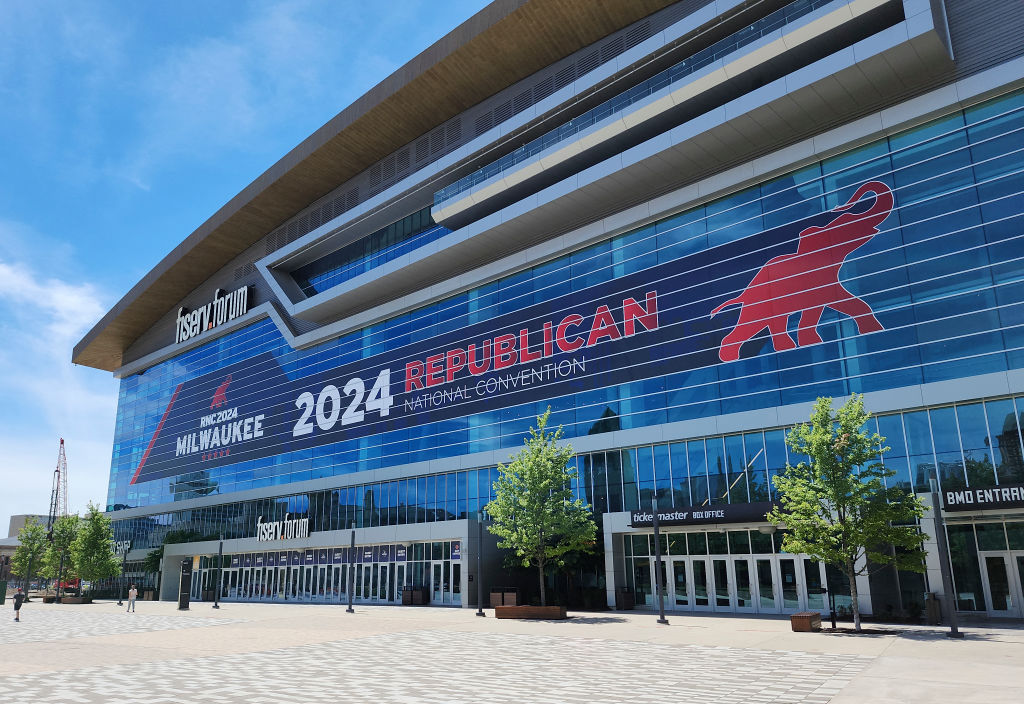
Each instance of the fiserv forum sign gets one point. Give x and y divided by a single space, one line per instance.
223 307
680 315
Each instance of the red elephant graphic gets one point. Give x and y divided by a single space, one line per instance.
220 396
807 281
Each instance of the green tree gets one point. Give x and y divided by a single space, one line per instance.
836 508
29 553
93 550
63 534
533 511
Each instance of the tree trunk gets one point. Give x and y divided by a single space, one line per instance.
28 576
540 573
852 576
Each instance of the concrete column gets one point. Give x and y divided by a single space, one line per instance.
933 567
863 590
609 562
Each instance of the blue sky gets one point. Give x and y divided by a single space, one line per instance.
123 126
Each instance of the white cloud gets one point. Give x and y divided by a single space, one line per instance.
43 397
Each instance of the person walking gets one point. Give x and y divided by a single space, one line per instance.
132 593
19 599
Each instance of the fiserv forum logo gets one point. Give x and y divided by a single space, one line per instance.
807 281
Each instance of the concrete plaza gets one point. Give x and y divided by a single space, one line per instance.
311 653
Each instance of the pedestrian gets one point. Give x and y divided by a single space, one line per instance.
19 599
132 593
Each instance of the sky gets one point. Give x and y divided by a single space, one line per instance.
123 127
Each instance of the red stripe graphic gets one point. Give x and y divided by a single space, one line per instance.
156 434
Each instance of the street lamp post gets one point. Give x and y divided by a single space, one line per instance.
351 568
949 596
220 564
124 565
479 567
657 563
60 576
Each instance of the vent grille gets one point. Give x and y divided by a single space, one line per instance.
564 77
639 33
612 49
483 123
244 270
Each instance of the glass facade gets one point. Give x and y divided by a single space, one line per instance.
398 238
735 468
609 108
943 276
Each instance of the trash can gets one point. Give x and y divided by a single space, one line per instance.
805 621
504 596
932 609
624 599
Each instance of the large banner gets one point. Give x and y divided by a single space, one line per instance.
672 317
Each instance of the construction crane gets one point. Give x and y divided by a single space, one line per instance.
58 506
59 494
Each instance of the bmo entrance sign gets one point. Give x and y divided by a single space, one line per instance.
1008 496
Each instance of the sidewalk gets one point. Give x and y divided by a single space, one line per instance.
912 664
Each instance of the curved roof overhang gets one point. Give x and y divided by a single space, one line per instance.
503 43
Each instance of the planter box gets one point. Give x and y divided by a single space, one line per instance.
805 621
540 612
76 600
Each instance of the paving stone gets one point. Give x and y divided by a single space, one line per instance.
426 666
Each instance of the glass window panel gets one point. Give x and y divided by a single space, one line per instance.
718 544
614 470
761 543
736 465
919 447
630 499
662 476
991 536
696 543
974 441
677 543
600 483
1015 536
680 474
739 542
697 462
718 483
775 455
947 448
1004 441
757 468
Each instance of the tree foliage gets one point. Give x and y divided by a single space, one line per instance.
64 532
28 555
93 549
533 511
836 507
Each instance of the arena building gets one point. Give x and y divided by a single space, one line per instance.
674 223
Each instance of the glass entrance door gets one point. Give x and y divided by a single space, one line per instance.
1001 575
701 593
436 583
399 581
680 586
767 597
382 582
790 587
743 586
